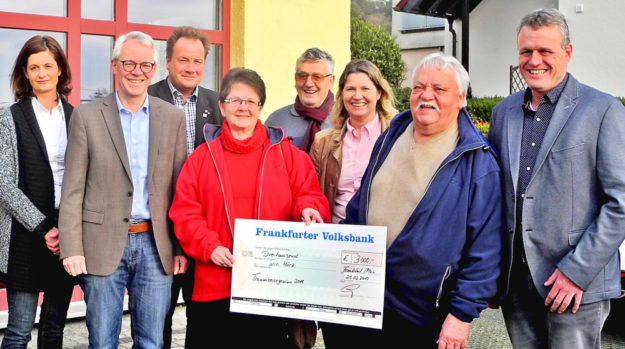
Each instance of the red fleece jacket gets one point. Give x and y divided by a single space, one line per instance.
203 206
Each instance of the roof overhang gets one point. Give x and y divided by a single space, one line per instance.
451 9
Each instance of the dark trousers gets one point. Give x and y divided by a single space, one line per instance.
531 325
182 282
22 311
397 332
214 326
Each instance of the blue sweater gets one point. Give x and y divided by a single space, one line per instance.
448 254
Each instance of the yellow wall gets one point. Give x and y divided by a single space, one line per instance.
269 35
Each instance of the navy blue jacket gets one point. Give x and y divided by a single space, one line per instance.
448 254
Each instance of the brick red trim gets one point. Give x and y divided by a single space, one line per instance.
74 26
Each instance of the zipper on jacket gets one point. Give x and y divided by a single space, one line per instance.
221 184
440 286
375 164
262 176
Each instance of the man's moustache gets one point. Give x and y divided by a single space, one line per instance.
425 105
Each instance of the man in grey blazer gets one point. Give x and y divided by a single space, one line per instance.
123 157
187 48
561 150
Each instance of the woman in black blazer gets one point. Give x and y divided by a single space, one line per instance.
33 137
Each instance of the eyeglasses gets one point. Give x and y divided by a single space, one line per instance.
316 78
250 103
130 66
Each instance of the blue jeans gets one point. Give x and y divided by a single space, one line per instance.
22 311
149 289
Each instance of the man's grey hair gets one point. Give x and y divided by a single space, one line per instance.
314 55
440 61
545 17
143 38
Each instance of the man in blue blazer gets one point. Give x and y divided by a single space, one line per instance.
560 145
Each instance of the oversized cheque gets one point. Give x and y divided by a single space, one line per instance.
324 272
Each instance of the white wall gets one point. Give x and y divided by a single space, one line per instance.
597 35
492 42
415 46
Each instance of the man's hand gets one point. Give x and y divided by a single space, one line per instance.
310 215
75 265
181 263
562 292
222 257
454 333
52 240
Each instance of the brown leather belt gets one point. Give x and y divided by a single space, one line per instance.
140 227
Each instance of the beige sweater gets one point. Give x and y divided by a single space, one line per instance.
401 181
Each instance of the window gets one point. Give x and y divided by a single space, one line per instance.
12 42
420 22
87 29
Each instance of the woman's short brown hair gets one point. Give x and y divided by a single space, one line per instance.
245 76
36 44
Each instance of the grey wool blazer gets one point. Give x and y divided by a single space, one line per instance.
574 207
98 190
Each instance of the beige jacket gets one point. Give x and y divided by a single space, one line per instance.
97 187
326 153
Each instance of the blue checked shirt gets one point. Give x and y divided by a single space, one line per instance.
189 109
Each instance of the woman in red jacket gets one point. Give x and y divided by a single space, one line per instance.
245 170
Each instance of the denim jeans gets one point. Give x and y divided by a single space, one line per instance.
531 325
22 311
149 288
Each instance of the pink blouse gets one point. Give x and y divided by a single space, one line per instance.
356 153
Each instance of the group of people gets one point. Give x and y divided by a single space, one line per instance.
530 219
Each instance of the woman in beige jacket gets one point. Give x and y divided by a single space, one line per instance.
363 109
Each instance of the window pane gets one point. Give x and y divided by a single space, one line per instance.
10 45
435 22
212 69
412 21
96 79
35 7
204 14
101 9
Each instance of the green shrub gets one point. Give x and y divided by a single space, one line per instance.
376 45
481 108
622 99
402 98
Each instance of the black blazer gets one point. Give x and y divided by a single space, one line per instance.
207 110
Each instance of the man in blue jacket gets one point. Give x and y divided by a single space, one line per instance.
561 148
434 182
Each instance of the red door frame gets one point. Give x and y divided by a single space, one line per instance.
74 26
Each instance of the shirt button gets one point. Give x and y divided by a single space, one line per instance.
537 119
533 144
522 195
529 168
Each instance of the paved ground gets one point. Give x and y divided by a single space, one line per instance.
487 332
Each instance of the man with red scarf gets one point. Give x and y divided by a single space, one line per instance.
314 78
